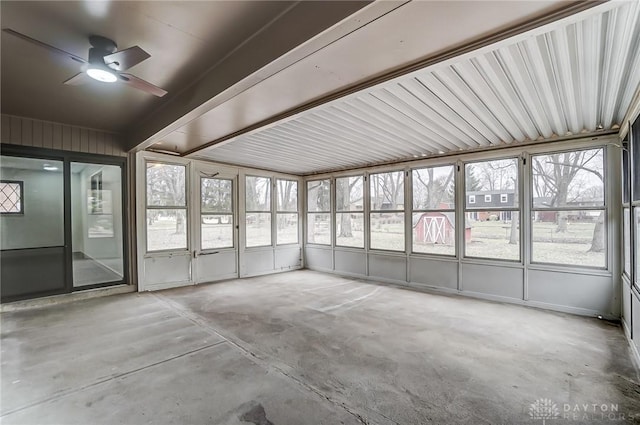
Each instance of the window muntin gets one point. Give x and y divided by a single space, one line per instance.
258 211
287 212
492 228
166 212
11 197
568 208
349 212
319 212
216 213
433 215
387 206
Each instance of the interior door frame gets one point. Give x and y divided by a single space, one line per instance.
67 157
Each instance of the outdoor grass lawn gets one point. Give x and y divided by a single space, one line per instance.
489 239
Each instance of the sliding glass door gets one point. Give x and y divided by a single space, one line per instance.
62 222
31 227
96 224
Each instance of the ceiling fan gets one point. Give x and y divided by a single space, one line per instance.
105 63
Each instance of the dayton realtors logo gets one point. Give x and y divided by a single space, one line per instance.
543 409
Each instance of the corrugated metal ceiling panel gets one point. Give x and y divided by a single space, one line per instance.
576 79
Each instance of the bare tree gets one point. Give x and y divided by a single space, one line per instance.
348 192
558 182
166 187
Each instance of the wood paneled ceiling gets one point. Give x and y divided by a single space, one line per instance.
187 40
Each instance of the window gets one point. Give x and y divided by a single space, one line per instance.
626 240
287 212
319 212
472 199
166 207
216 213
349 212
258 211
568 209
504 198
387 211
433 215
11 197
492 231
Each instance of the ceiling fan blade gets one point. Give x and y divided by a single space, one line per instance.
77 80
45 45
127 58
141 84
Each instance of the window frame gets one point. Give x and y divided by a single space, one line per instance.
232 214
337 211
604 207
329 212
372 211
504 198
278 212
269 211
456 173
465 209
490 197
472 199
20 184
148 207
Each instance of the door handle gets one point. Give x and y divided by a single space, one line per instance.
209 253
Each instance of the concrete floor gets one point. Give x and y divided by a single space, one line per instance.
309 348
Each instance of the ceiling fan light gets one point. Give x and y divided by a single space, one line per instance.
102 74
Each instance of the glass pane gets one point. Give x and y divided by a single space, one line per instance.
492 234
319 228
568 179
35 221
349 194
433 188
387 191
434 233
350 229
287 195
166 185
258 195
216 195
637 245
569 237
492 184
626 191
287 229
96 213
258 229
217 231
166 229
319 196
387 231
635 159
626 240
41 201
